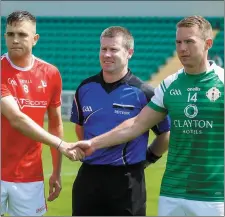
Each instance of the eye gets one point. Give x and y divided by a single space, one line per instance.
22 34
114 49
189 41
10 34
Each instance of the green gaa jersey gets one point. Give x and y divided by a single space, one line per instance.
195 163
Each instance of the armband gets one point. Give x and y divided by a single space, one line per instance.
150 158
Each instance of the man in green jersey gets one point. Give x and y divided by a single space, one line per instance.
193 97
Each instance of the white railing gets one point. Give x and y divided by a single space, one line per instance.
67 100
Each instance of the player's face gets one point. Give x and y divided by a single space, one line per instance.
20 38
113 54
191 47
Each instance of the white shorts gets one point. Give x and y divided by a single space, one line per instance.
23 199
169 206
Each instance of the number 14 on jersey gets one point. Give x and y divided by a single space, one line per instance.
192 97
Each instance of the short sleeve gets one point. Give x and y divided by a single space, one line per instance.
56 90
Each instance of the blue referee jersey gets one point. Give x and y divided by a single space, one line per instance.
99 107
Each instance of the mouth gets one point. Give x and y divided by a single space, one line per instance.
16 48
108 62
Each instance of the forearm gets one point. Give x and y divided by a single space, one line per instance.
160 144
129 129
124 132
56 155
29 128
79 132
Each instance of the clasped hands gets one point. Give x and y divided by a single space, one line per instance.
76 151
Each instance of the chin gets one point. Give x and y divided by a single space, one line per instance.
108 70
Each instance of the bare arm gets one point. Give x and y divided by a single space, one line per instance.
160 144
55 127
79 131
24 124
129 129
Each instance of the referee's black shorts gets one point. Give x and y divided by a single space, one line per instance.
103 190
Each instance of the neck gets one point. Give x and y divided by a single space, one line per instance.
22 62
198 69
113 77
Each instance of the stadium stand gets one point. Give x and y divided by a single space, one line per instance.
72 43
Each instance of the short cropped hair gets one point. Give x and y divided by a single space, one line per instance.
18 16
114 31
204 25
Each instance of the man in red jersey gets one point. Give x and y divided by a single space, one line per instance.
30 87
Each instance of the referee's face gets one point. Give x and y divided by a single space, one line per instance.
113 55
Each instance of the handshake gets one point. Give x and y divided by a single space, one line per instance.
76 151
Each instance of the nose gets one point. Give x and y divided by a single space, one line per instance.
15 39
183 47
107 53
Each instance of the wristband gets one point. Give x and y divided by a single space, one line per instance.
59 145
150 158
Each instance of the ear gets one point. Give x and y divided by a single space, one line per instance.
36 38
130 53
208 43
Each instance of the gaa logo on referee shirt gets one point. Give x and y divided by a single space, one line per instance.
87 109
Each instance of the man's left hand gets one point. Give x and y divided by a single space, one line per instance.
54 187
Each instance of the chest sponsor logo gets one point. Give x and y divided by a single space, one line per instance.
30 103
191 125
175 92
213 94
191 111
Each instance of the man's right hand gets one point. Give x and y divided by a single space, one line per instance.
71 151
85 146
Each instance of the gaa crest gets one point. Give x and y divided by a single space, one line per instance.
213 94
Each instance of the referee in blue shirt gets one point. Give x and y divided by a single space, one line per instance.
112 180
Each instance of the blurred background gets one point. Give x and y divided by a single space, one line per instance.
69 39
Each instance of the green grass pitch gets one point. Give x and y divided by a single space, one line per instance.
62 205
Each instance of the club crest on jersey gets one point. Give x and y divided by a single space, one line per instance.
42 86
213 94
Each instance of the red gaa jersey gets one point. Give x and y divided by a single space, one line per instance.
34 88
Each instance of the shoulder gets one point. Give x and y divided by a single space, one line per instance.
143 86
89 80
5 67
46 66
167 82
219 72
3 57
4 60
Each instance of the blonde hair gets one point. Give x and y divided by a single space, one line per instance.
204 25
114 31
